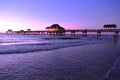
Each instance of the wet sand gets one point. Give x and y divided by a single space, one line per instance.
86 62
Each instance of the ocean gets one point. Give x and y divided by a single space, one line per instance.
32 43
50 57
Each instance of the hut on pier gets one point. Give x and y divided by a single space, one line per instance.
55 29
110 26
9 31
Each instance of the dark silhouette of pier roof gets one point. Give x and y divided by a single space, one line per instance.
109 26
56 26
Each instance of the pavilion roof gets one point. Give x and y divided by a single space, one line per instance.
55 26
110 26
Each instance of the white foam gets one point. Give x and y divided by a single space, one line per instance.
112 69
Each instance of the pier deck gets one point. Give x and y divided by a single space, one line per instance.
73 32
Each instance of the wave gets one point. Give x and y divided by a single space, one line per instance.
33 43
27 48
113 73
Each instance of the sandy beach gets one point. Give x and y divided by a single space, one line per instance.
59 39
86 62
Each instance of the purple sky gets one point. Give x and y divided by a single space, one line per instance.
71 14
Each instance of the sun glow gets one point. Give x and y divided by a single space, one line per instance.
5 26
17 24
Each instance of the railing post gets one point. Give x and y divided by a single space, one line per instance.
73 33
98 34
85 33
116 34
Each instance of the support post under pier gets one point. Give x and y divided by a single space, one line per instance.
98 34
116 34
73 33
84 33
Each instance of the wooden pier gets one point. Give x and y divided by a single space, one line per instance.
72 32
56 29
98 31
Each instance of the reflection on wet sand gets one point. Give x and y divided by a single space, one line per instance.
115 40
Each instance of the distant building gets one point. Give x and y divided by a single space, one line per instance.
28 29
21 30
55 27
9 31
110 26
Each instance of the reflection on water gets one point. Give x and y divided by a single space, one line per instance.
87 62
115 41
74 63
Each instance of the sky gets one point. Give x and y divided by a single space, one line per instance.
70 14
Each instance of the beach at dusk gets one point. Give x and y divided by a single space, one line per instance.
59 40
57 58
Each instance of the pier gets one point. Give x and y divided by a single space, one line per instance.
72 32
56 29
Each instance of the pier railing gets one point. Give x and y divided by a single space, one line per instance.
72 31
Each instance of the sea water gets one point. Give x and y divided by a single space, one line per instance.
19 60
11 43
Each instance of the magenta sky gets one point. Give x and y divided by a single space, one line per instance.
77 14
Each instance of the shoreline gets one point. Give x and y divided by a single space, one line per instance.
49 46
60 64
62 47
113 73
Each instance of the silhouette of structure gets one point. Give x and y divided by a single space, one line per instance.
28 29
56 29
110 26
10 31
